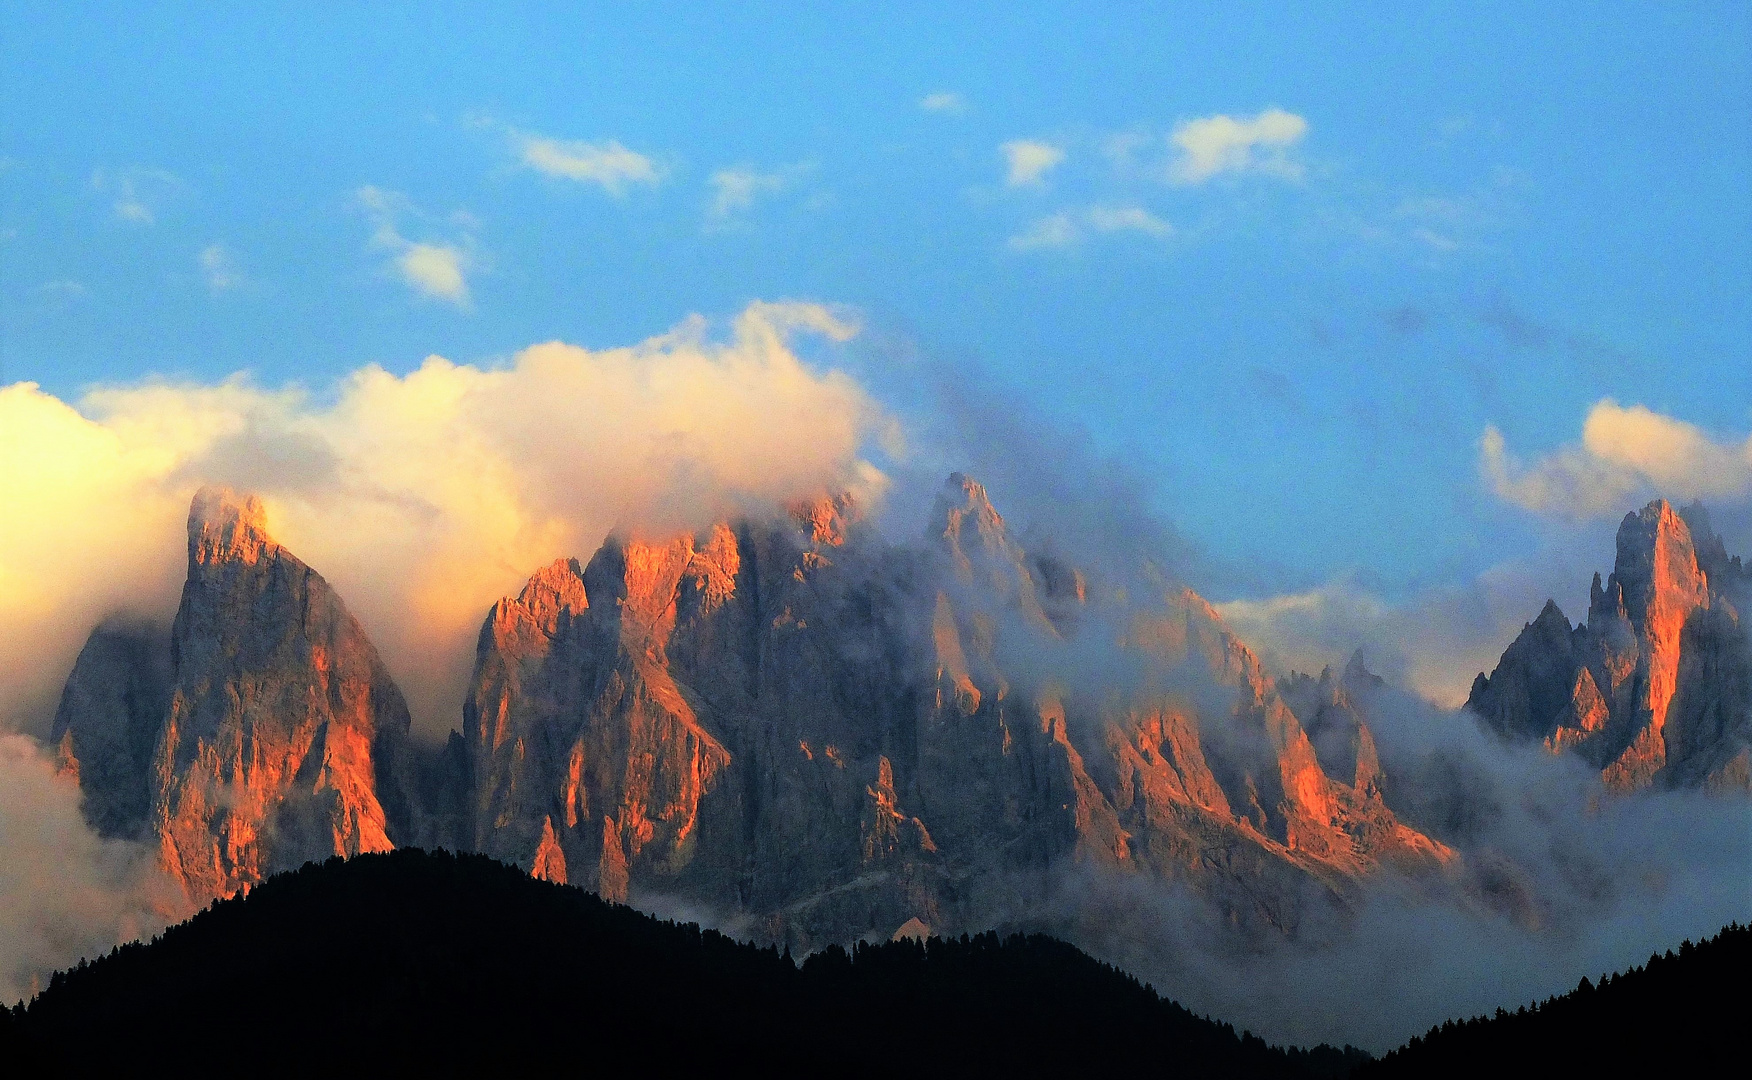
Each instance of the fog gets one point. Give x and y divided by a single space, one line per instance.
424 497
65 894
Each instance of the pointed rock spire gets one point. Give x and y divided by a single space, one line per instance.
285 736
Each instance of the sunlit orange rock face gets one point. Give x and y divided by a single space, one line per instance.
830 736
277 736
807 731
1656 687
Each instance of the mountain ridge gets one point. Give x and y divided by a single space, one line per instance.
815 734
1655 688
430 960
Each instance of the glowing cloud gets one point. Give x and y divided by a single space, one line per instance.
1624 452
1225 144
64 893
422 498
1029 162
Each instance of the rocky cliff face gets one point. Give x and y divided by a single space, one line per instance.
831 737
1656 686
275 734
814 733
106 727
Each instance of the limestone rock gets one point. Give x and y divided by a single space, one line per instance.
1656 686
106 726
263 733
823 736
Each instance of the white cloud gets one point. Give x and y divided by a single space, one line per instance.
434 270
422 498
1109 219
1226 144
946 101
735 189
1030 161
609 163
1431 238
1067 227
1059 230
1432 641
135 191
1624 452
65 894
219 268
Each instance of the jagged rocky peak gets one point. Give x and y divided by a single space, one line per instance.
264 732
1332 709
964 514
1657 570
1654 687
224 525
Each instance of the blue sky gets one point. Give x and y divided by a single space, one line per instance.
1425 221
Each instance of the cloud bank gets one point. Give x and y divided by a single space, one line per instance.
1625 454
64 893
422 498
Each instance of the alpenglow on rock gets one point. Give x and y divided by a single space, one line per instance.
1656 687
275 734
806 731
825 736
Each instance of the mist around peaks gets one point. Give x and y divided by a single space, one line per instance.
422 497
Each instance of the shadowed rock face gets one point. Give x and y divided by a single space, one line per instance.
815 735
826 737
106 727
1656 686
276 734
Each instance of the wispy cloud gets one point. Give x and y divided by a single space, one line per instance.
1056 231
1068 227
1214 145
608 164
434 270
1111 219
61 290
943 101
735 189
1029 161
1624 452
135 191
219 268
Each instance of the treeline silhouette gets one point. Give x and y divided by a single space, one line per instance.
1681 1014
458 963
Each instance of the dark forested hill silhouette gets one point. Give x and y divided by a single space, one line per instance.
1681 1014
458 963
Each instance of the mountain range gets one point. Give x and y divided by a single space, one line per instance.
818 735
